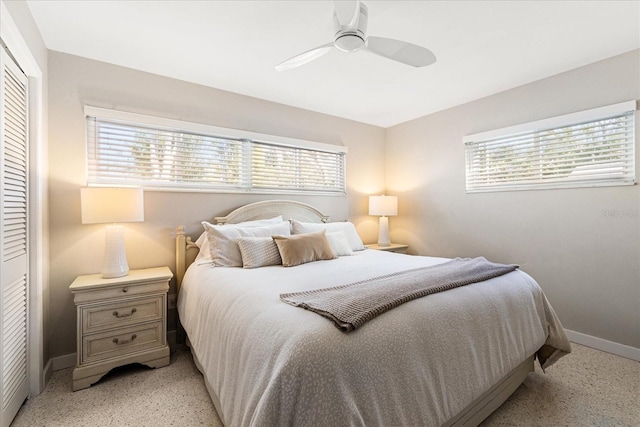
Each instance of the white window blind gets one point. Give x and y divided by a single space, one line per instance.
129 149
590 148
293 168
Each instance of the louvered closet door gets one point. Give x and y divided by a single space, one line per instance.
13 238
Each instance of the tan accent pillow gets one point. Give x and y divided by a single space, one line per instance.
303 248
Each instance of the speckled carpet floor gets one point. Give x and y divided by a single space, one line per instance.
586 388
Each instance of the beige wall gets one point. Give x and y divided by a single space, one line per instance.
77 249
588 263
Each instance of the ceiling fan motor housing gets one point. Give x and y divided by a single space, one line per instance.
349 39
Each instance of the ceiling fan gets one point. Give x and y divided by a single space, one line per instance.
350 35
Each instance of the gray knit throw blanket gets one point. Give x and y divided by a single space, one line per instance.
350 306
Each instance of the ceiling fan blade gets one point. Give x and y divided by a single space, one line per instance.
407 53
347 13
304 57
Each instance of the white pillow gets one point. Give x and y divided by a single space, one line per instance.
339 243
203 244
349 230
203 241
222 240
258 252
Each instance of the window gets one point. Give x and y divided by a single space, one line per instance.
129 149
589 148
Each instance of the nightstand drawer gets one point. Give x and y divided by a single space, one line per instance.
124 341
100 317
120 291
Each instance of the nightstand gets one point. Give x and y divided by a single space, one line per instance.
393 247
120 321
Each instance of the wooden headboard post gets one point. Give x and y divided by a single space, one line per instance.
183 244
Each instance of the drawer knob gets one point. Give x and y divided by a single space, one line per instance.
125 289
119 316
118 342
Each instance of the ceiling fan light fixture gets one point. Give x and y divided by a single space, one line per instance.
350 42
350 35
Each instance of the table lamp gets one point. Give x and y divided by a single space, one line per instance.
112 205
384 206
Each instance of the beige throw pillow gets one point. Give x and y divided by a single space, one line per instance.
303 248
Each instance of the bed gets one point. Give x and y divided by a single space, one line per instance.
447 359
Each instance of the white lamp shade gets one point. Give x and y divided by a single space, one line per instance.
383 205
104 205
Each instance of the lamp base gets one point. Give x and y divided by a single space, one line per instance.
383 235
115 257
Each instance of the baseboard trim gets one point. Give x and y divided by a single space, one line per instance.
62 362
604 345
46 374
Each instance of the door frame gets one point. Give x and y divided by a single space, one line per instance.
38 222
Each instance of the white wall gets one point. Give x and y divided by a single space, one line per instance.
77 249
588 263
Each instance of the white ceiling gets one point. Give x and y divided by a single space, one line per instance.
483 47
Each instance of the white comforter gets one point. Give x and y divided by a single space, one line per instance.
271 364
